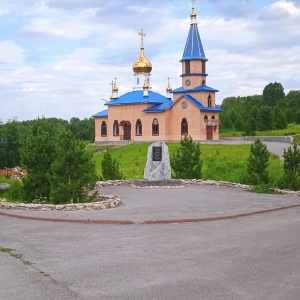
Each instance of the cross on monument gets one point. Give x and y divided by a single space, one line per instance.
168 79
193 3
142 34
115 79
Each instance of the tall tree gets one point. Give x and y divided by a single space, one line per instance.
186 162
37 154
272 93
258 163
72 172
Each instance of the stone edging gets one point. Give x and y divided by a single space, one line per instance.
103 202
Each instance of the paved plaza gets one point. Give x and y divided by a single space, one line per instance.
252 257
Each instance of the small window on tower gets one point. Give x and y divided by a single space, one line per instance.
187 67
138 81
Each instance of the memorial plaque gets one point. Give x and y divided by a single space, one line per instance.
157 153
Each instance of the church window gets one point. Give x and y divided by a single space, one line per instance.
209 101
213 117
103 129
184 126
205 118
187 67
155 127
116 128
137 81
203 67
138 127
148 80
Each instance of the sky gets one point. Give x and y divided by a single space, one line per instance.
58 57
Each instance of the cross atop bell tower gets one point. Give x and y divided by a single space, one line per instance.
142 34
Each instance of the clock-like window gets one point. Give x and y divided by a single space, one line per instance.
184 105
187 82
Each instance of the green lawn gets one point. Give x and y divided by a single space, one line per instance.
292 129
220 162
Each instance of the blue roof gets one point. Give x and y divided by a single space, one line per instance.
101 114
201 106
160 107
137 97
193 47
200 88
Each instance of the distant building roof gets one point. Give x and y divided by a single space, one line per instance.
137 97
200 88
101 114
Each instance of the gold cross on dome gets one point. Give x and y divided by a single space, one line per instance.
115 79
193 3
168 79
142 34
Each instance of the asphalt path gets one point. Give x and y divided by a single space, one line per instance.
256 257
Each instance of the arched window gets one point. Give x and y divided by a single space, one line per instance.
116 128
103 129
213 117
184 126
138 127
205 118
155 127
148 80
209 101
138 81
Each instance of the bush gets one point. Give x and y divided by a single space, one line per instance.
186 162
110 167
14 192
257 164
291 167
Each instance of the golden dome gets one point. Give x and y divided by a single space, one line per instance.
169 89
145 86
142 65
193 13
115 88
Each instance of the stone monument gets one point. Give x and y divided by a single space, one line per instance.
158 168
158 162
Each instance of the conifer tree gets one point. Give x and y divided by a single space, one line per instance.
258 163
110 167
72 172
291 167
186 162
37 154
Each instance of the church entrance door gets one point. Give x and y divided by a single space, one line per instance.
209 133
127 131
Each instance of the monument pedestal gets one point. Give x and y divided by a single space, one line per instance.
153 182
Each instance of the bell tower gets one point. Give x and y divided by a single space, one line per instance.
193 59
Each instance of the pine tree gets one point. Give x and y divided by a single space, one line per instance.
72 172
37 154
291 167
258 163
186 162
110 167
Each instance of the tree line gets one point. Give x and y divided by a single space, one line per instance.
14 133
271 110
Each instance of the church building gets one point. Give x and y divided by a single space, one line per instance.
143 115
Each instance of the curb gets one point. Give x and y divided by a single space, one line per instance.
165 221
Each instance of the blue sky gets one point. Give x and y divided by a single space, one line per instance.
58 57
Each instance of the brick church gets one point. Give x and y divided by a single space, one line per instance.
143 115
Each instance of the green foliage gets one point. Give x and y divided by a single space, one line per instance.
72 171
37 154
272 93
110 167
257 164
9 144
15 191
291 167
186 162
59 168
